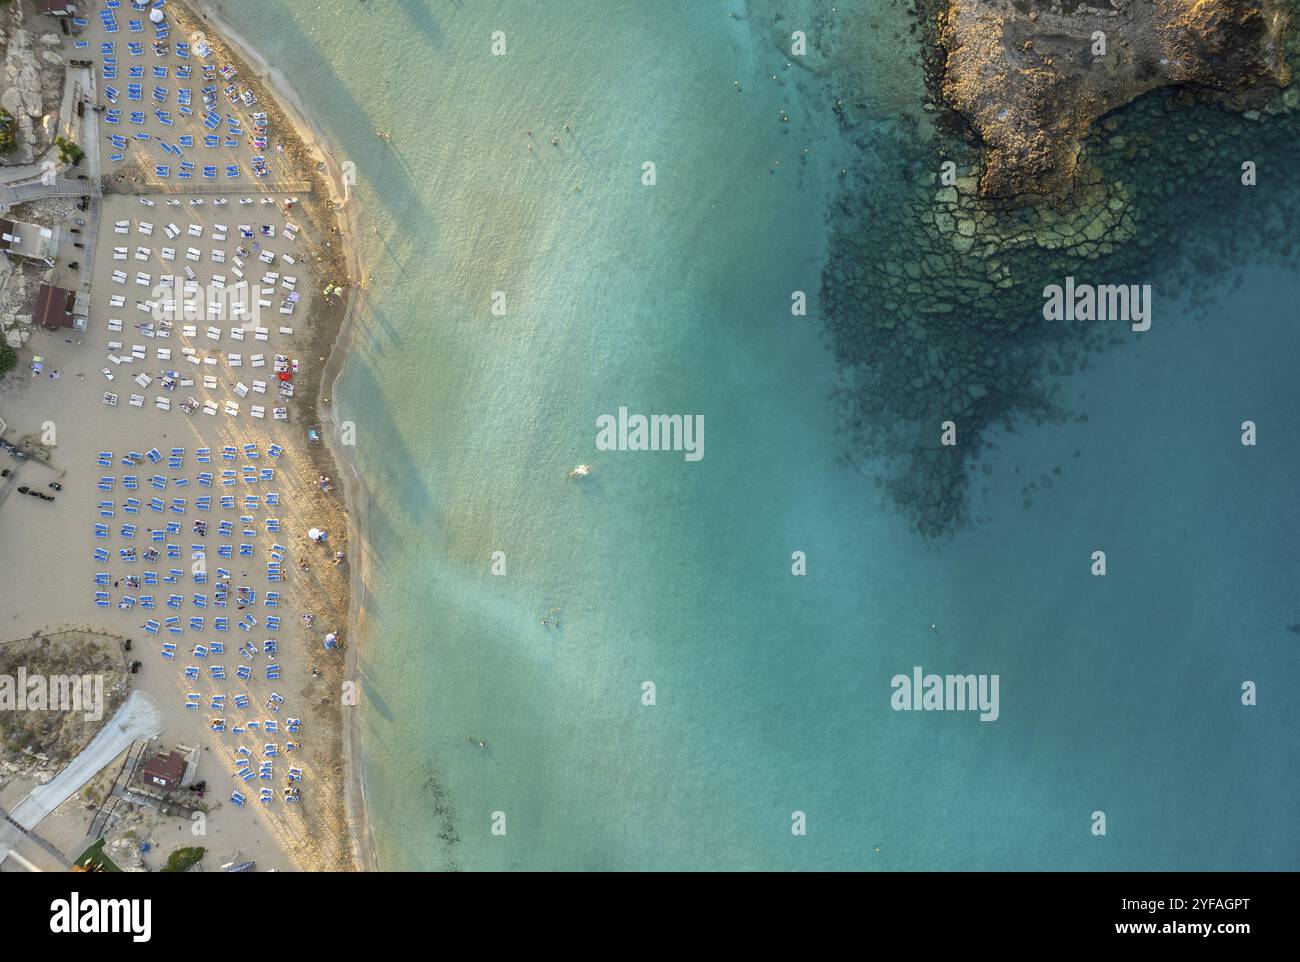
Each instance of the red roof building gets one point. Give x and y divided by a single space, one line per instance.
165 771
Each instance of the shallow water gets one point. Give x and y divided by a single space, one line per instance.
772 692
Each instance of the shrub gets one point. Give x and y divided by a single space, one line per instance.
69 152
8 141
183 858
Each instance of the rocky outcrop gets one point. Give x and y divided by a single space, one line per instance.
1032 76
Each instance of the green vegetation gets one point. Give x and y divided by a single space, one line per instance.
94 859
184 858
8 359
8 141
69 152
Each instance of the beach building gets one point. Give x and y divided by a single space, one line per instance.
164 771
54 308
30 241
58 8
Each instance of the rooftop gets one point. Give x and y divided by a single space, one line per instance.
54 307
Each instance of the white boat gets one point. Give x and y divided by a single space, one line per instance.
581 471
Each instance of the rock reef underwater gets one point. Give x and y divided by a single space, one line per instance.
932 295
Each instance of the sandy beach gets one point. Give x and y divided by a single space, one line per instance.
57 409
329 169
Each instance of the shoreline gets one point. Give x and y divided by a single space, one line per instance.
355 495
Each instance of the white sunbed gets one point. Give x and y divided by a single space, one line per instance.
143 253
122 227
259 387
110 399
163 403
214 333
146 228
195 230
117 300
286 331
115 324
257 411
172 231
164 354
241 389
209 382
143 279
193 254
237 333
137 400
235 360
232 409
281 414
119 277
119 253
169 253
142 379
258 360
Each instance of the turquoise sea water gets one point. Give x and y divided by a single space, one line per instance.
772 691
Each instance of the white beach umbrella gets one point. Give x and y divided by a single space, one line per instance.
314 534
156 15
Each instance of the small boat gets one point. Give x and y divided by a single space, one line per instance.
581 471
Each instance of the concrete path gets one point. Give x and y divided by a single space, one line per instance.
139 717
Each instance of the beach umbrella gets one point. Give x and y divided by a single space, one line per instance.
314 534
156 15
331 640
